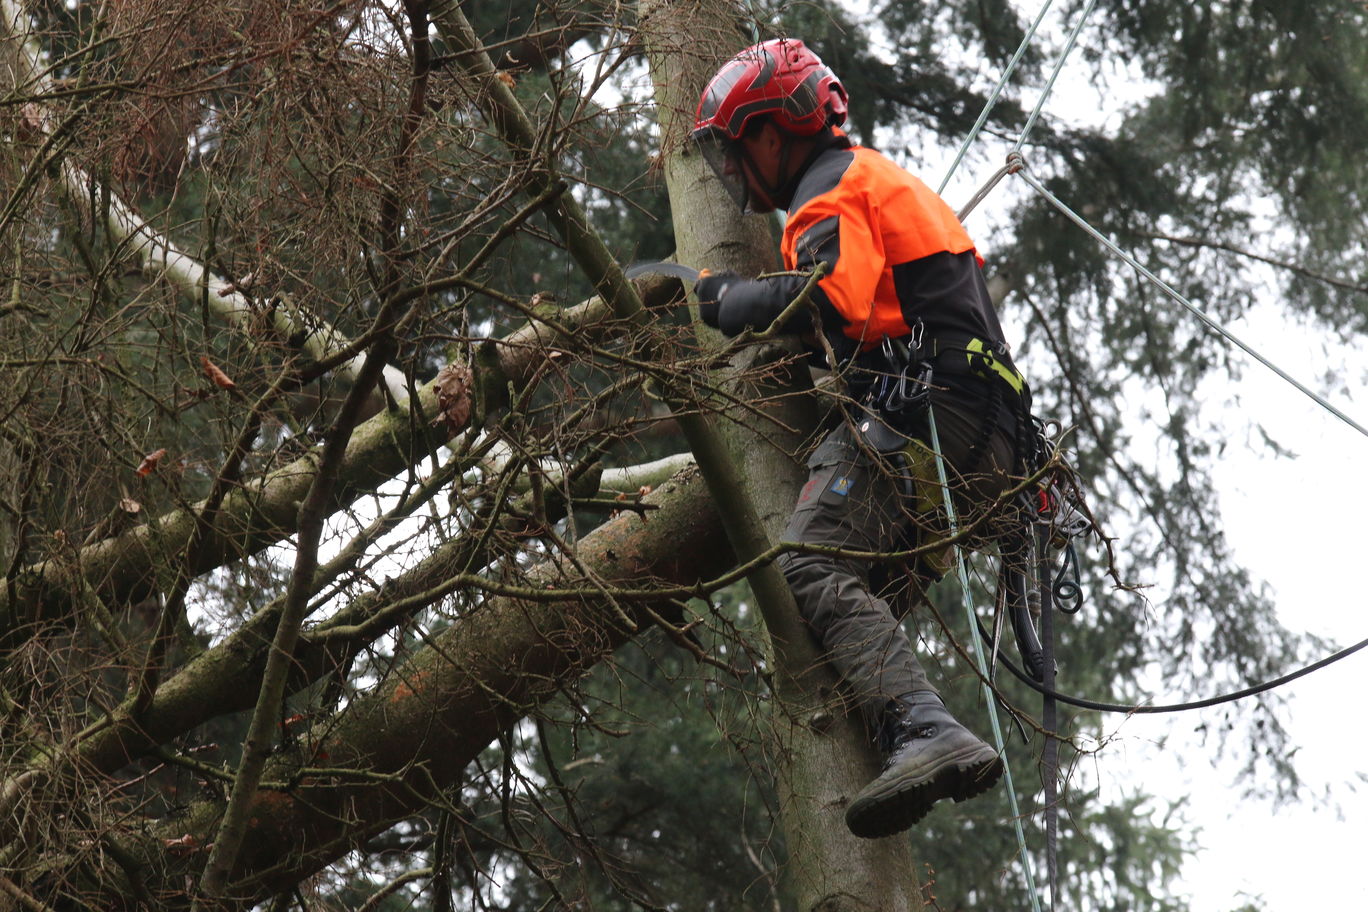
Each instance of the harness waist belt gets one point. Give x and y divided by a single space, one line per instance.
982 358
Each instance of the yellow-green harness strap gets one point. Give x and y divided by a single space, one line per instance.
981 359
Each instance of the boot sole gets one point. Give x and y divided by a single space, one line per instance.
905 800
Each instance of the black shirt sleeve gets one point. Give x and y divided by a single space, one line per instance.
757 303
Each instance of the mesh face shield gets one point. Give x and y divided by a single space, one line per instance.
724 157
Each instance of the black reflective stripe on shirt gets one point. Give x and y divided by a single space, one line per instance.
823 174
821 243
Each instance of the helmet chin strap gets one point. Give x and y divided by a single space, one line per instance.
781 194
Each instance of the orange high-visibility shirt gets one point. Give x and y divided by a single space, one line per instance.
884 236
894 254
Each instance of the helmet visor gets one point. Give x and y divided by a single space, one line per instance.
724 157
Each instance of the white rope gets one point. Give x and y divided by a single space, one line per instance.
1188 305
993 99
1059 66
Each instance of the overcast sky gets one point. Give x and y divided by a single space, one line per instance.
1297 523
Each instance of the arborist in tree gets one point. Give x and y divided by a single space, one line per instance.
906 317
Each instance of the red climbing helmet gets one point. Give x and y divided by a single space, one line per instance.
780 79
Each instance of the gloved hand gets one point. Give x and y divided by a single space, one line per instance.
709 289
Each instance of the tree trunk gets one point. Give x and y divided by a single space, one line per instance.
806 700
822 755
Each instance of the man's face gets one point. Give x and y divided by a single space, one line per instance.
759 163
748 167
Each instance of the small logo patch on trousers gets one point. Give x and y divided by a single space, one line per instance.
841 486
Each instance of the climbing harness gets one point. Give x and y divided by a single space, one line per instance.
1051 517
901 398
1051 520
1054 517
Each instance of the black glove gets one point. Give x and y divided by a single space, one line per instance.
709 289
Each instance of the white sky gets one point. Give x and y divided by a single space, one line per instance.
1294 522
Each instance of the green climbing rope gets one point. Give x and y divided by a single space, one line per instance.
981 660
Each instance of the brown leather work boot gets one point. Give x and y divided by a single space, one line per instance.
932 757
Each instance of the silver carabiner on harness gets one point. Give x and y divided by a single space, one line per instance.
908 384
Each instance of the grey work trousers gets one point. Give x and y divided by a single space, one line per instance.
855 500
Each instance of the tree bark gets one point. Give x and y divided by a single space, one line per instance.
822 754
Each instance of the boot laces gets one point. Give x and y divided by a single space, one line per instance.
906 737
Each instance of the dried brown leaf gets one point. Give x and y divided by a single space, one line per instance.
216 374
453 386
149 463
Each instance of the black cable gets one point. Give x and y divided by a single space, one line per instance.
1049 716
1067 590
1177 707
